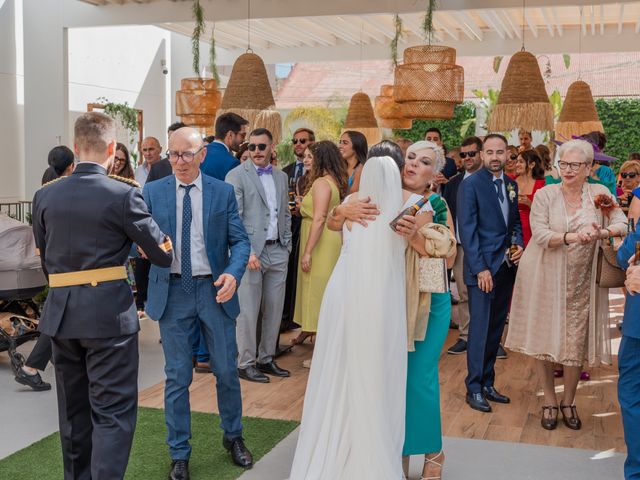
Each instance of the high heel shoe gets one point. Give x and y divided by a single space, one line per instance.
549 423
436 462
573 422
299 340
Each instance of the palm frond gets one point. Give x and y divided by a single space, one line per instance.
198 29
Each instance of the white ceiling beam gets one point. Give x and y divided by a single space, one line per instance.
304 27
486 18
546 19
556 20
356 27
501 23
601 19
514 24
239 32
469 23
592 12
416 28
440 20
338 32
532 26
270 27
621 19
376 23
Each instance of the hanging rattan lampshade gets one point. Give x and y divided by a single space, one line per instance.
360 117
197 102
389 112
249 95
579 114
429 84
523 101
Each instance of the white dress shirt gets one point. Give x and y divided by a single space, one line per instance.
199 260
269 186
504 205
142 173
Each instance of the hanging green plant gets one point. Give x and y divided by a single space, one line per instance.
198 30
122 112
427 21
397 22
212 56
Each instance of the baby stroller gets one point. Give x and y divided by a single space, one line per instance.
21 278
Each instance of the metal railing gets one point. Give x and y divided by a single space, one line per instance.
19 209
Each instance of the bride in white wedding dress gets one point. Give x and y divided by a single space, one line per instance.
354 409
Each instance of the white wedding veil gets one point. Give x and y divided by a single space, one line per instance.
376 326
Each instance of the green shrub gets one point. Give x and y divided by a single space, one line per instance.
620 118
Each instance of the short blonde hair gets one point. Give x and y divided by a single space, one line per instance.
581 146
94 131
439 161
630 166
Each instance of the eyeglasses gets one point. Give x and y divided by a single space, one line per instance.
573 166
468 154
260 146
186 157
301 141
629 175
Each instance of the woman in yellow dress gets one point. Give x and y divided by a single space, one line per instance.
319 246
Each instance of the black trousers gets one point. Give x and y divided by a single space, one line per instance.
141 274
97 387
41 353
289 308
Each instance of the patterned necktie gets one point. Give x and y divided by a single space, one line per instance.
185 256
298 173
498 184
265 171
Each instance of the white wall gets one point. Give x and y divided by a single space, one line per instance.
11 111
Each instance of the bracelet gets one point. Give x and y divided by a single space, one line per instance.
610 232
564 238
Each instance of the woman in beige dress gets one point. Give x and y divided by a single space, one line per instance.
558 312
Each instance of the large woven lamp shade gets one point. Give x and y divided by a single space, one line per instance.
579 114
523 101
429 84
197 102
249 95
360 118
389 112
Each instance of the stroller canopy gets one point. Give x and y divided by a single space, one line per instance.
17 245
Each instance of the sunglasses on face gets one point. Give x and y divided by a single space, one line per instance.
301 141
260 146
629 175
468 154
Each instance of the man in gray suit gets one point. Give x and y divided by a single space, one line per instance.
262 195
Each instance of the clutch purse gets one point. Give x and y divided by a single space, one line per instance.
433 276
608 274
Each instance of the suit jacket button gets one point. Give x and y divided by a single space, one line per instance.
94 283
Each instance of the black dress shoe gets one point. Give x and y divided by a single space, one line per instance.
33 381
478 402
272 368
493 395
458 348
179 470
239 452
252 374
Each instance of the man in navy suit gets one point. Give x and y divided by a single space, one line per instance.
488 225
212 249
629 358
231 130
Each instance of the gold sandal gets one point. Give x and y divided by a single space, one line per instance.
432 461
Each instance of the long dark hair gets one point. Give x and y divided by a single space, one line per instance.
387 148
327 161
545 155
537 171
127 171
359 145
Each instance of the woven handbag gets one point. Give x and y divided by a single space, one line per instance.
608 274
433 276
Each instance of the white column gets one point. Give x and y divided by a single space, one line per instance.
45 86
11 133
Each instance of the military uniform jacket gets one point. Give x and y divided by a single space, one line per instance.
88 221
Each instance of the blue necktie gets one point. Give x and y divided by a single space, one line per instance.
298 173
498 183
185 257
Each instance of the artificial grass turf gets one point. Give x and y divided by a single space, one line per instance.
150 457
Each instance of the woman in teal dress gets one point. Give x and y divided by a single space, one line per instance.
423 432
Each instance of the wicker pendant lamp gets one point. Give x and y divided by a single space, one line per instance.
389 112
360 118
523 101
249 95
579 114
197 102
429 84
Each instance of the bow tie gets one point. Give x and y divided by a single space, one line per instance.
264 170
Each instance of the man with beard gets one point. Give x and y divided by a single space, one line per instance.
231 130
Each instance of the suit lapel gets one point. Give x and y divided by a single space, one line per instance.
494 195
170 198
253 176
207 197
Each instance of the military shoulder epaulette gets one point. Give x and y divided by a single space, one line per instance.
129 181
51 182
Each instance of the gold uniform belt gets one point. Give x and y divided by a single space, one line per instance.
87 277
